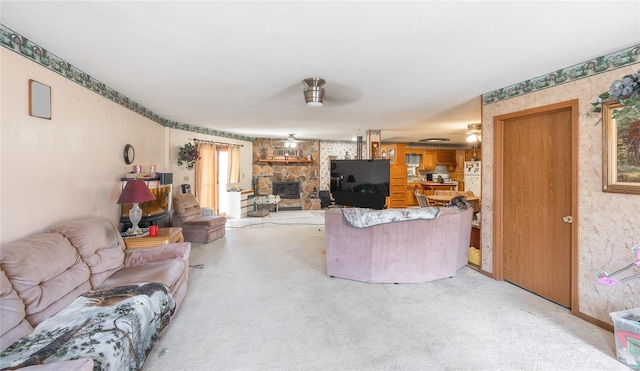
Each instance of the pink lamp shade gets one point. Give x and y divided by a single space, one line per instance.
135 191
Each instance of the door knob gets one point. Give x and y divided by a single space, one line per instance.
567 219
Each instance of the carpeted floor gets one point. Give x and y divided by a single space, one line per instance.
262 301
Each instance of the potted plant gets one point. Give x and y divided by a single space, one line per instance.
188 155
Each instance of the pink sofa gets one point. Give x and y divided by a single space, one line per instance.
42 274
412 251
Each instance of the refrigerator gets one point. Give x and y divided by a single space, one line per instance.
472 171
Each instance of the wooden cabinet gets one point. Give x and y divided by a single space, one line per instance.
458 172
428 160
397 174
446 157
460 158
397 186
411 193
395 153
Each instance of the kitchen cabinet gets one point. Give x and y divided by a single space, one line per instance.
397 186
396 152
446 157
411 193
460 159
457 173
428 160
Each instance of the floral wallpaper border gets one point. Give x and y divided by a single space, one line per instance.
28 49
592 67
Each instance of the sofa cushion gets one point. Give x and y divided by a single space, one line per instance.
13 324
46 272
211 221
168 273
99 244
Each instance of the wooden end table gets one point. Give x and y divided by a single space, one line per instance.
165 236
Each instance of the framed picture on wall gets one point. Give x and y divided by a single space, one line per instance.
39 100
621 149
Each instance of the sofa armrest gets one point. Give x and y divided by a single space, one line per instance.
157 254
81 364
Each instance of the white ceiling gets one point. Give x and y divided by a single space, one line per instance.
410 69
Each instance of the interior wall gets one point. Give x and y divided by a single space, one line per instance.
70 166
178 138
607 222
336 150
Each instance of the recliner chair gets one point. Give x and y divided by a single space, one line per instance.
195 227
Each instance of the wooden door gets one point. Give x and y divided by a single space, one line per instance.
536 199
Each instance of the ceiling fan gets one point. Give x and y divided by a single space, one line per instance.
474 135
291 141
317 95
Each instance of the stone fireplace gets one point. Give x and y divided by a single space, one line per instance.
293 181
286 190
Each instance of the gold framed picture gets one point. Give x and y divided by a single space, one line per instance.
621 150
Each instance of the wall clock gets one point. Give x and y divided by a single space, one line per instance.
129 154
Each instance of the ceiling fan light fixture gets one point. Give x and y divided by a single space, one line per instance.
290 142
314 92
473 138
474 133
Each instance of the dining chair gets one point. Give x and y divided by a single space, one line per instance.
422 200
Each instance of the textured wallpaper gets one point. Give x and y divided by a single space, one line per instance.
608 223
336 150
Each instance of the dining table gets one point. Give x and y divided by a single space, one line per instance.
443 200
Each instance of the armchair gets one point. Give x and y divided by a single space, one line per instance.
195 227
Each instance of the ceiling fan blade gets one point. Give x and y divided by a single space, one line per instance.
287 92
340 94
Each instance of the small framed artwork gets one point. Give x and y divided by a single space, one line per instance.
39 100
621 149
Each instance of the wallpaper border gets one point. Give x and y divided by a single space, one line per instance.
30 50
578 71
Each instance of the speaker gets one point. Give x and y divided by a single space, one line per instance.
165 178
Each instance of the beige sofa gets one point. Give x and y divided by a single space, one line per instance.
41 275
411 251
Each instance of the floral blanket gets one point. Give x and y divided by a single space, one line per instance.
116 327
362 218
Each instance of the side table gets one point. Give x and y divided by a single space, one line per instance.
165 236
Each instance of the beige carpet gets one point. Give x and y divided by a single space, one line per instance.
262 301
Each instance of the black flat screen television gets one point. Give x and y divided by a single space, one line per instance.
360 183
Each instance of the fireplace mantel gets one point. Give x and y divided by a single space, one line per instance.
286 160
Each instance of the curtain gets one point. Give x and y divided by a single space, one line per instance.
234 164
207 175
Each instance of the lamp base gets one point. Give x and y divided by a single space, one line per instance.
135 215
134 231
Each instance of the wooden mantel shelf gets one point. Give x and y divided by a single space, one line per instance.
286 161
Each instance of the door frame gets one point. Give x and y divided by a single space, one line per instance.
498 187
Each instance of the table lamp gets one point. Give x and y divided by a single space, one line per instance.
134 192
